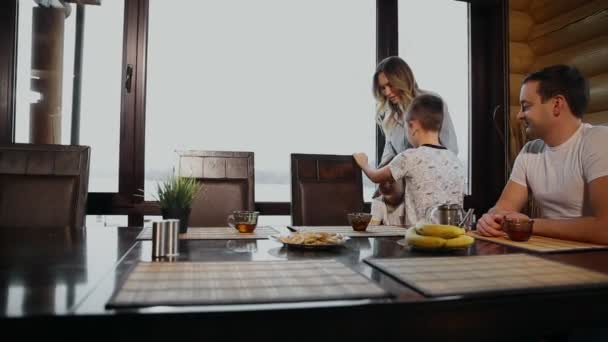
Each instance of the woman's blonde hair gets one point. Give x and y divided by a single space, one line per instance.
401 78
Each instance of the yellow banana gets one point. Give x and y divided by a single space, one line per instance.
413 239
439 230
459 242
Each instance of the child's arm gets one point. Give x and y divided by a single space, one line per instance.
380 175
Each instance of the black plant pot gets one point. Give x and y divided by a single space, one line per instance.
182 214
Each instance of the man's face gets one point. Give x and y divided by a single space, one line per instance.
534 115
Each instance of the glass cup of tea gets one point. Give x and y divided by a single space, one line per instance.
517 228
359 221
243 221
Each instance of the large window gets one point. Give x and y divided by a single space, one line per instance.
273 77
100 91
435 43
100 99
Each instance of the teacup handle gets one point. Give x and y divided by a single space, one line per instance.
427 213
231 220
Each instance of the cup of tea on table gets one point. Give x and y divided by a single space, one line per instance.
359 221
518 228
243 221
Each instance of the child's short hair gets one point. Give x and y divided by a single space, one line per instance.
428 110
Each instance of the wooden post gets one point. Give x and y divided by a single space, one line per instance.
47 72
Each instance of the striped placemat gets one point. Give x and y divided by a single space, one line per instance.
505 273
215 233
542 244
208 283
372 231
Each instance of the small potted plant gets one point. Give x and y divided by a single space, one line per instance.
175 196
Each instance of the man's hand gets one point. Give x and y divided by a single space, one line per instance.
490 225
512 199
361 159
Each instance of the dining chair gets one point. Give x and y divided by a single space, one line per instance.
43 186
324 189
227 184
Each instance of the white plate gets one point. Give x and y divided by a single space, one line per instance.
342 241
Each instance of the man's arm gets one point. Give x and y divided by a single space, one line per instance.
512 199
592 229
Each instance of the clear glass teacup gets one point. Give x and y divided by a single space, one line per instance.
359 221
518 229
243 221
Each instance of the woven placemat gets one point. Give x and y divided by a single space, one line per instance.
372 231
542 244
207 283
505 273
215 233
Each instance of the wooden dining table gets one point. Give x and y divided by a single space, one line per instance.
60 282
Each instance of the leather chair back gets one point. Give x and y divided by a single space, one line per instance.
324 188
43 186
227 180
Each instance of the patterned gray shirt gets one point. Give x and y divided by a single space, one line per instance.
433 176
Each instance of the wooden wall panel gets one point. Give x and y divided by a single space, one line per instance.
567 18
598 89
521 57
519 5
597 118
570 34
543 10
520 24
514 86
517 134
591 57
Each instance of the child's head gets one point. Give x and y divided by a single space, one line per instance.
392 192
425 114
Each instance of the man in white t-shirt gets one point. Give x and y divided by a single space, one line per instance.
433 174
388 208
566 169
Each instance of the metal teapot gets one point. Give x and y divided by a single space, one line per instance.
451 214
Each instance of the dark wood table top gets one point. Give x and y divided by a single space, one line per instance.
59 280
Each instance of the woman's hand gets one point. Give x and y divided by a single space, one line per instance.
361 159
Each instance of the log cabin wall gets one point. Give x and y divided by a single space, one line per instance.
547 32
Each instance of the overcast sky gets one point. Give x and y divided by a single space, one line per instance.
270 76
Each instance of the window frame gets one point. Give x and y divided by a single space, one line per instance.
9 14
488 32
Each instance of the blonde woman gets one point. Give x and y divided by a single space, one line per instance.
394 88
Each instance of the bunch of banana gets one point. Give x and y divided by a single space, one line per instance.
437 236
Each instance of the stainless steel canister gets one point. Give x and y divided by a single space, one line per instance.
450 214
165 238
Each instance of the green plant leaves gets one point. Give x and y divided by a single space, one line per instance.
177 192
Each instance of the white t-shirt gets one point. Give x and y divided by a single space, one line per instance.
387 215
433 176
558 176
